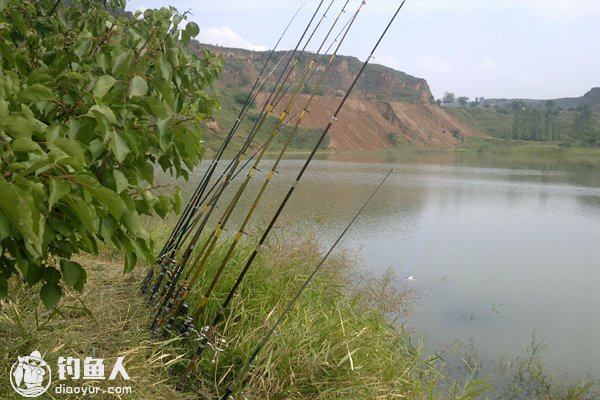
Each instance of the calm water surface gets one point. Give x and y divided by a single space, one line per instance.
497 251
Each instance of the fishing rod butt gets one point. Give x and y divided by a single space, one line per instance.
228 394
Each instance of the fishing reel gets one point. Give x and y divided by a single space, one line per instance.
165 270
215 342
187 327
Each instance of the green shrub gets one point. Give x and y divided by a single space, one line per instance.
90 102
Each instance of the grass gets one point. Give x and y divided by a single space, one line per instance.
535 152
344 339
337 342
108 320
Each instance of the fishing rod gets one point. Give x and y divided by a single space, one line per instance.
270 103
179 268
179 235
220 315
241 231
193 204
181 299
246 367
208 192
210 243
250 99
175 269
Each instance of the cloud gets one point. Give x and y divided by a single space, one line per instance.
225 36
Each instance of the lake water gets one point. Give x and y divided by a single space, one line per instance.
497 251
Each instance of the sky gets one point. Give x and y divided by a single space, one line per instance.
492 48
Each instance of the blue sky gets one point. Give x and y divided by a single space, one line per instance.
490 48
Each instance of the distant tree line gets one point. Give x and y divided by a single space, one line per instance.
548 123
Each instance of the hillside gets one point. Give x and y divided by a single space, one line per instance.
538 120
591 98
387 108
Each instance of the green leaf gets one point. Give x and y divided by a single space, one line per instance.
3 4
103 62
73 149
154 106
103 85
121 60
121 181
39 75
130 256
50 294
17 126
83 47
3 109
25 144
33 273
110 199
4 226
103 110
96 148
165 67
86 214
58 188
163 206
108 228
35 92
192 29
164 133
51 275
178 200
119 146
137 87
20 208
73 274
132 223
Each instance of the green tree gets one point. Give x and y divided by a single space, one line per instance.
519 117
551 127
91 102
449 97
585 128
463 100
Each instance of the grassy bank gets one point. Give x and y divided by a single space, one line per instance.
336 343
527 151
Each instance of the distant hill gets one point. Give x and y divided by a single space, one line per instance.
571 121
387 108
591 98
378 82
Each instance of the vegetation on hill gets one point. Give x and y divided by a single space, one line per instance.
519 121
231 101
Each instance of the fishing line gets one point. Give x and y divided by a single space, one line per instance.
193 204
246 367
209 245
179 268
266 233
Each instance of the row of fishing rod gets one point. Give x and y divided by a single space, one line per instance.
190 249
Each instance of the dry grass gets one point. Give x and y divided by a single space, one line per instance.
108 320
